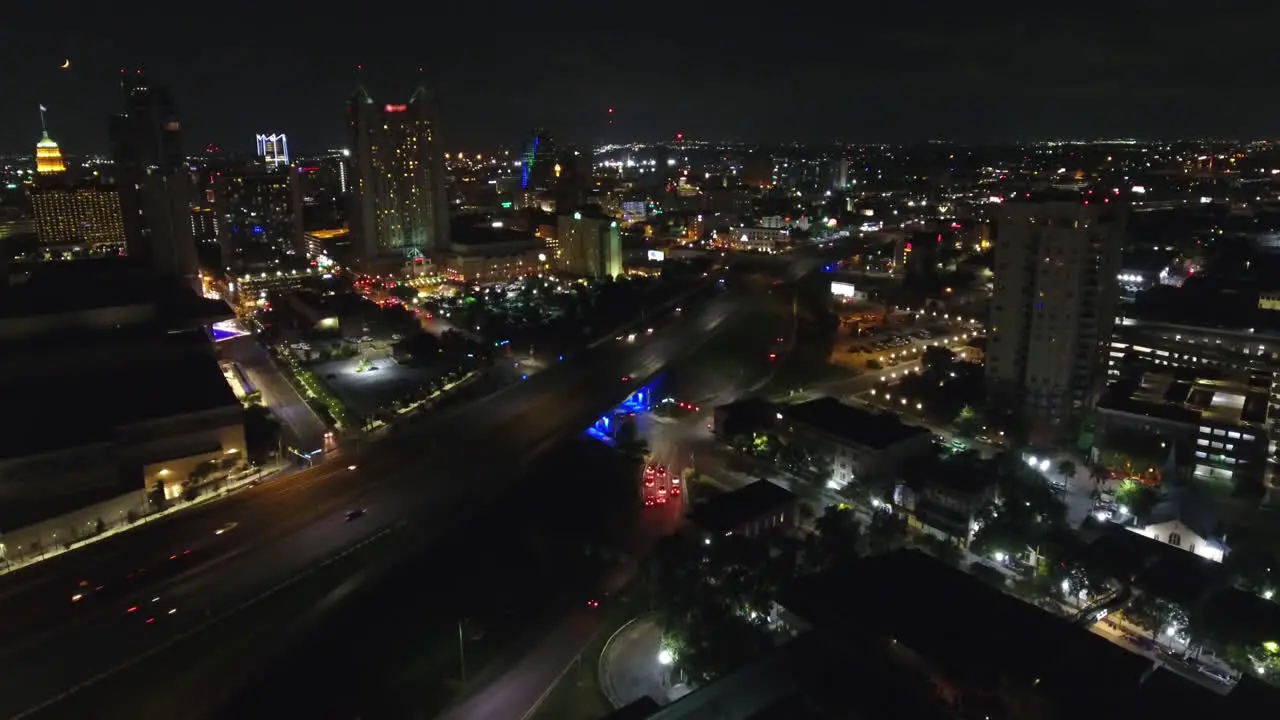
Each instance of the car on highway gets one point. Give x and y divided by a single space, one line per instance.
355 514
675 484
93 591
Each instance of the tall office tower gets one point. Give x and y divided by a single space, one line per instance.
48 155
398 180
537 161
1056 260
840 174
259 216
572 178
78 221
154 183
273 149
589 244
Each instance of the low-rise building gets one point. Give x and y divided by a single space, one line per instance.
750 511
861 445
1225 421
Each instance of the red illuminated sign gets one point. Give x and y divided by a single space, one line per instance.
396 108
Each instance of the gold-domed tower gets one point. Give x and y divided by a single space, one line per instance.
48 156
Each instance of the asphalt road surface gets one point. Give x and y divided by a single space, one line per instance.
300 424
193 576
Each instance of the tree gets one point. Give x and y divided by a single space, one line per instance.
936 361
1136 497
99 527
885 532
835 540
155 496
1067 469
1156 614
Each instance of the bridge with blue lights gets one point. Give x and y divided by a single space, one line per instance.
642 400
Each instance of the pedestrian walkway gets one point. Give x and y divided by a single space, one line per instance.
630 666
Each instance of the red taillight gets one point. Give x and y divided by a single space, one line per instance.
132 609
150 620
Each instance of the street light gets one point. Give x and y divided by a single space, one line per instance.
665 657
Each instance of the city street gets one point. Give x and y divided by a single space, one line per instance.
301 426
249 570
631 665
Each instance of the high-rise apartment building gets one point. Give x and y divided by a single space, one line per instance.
1056 260
153 180
259 216
273 148
589 244
398 177
78 221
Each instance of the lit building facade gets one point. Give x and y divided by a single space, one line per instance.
273 149
398 177
259 217
49 157
589 245
78 221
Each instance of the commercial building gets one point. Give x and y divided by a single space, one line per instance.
398 178
153 180
75 221
1224 422
1056 262
589 244
861 445
751 510
113 388
273 148
260 217
48 154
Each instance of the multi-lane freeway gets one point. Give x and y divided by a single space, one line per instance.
70 625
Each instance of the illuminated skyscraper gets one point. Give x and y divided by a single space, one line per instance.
589 244
273 149
397 180
153 180
48 156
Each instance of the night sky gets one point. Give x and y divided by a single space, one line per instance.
821 72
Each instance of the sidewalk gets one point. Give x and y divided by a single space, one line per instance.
40 549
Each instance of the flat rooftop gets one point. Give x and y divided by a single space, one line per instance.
71 410
854 425
1169 397
723 513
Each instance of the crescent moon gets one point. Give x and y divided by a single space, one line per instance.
66 63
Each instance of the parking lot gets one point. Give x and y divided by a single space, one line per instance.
895 342
366 386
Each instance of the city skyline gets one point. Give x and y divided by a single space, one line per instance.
914 78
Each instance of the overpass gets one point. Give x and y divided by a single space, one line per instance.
420 484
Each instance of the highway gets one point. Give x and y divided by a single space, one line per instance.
194 577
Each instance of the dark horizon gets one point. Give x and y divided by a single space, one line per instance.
910 73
